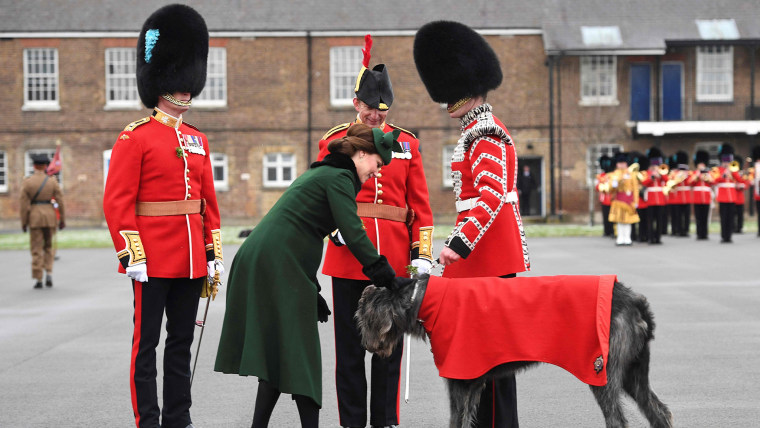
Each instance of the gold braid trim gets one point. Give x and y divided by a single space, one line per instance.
171 99
134 248
458 104
426 243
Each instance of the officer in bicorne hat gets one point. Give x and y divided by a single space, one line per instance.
458 67
162 211
395 209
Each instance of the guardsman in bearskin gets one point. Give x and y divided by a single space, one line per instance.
700 181
741 189
603 187
754 178
39 216
162 212
680 193
654 182
459 68
395 209
725 184
643 208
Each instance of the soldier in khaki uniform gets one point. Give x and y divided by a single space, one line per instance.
38 215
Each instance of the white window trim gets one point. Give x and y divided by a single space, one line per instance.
593 153
44 105
598 100
349 69
120 104
29 165
221 62
221 160
4 171
280 165
447 151
729 70
106 165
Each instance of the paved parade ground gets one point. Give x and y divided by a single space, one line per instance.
65 351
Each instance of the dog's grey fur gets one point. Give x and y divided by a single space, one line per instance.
384 316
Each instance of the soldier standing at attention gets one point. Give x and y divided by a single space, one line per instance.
162 213
38 216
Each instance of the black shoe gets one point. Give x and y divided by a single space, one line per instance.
726 241
38 284
49 281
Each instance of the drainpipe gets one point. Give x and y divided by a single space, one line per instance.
550 64
308 98
559 131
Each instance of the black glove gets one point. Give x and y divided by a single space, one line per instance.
323 311
380 273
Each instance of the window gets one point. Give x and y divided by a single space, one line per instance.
3 172
601 36
279 169
715 73
345 63
215 92
446 153
121 83
599 80
593 153
41 79
711 148
219 166
29 165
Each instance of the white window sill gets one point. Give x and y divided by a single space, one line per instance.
41 107
594 102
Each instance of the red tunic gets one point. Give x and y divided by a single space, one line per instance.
726 187
476 324
401 183
701 190
741 188
756 182
147 165
489 235
654 194
604 197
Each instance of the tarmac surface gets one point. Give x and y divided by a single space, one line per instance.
65 350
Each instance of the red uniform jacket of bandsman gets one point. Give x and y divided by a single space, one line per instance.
604 197
476 324
756 182
489 236
726 187
152 161
701 190
401 183
681 192
741 188
643 204
654 194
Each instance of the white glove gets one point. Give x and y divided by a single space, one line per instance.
138 272
615 184
215 265
422 265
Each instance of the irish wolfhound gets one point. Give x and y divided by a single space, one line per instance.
384 315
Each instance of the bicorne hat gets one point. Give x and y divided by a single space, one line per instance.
454 62
172 52
373 87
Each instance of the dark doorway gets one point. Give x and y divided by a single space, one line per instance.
531 186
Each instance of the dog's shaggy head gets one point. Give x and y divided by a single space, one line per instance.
384 315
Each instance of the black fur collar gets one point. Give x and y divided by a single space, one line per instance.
339 160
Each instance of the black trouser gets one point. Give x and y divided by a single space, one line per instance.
266 399
350 381
498 401
608 226
663 225
739 211
701 214
675 219
726 220
178 297
657 217
643 224
684 213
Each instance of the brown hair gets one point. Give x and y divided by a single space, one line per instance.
359 137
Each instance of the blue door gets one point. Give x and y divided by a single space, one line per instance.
672 91
641 90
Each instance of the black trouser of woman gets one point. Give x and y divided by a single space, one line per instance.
701 213
726 220
498 401
266 398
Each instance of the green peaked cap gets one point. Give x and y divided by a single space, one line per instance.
386 143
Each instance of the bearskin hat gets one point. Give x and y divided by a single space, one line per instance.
655 156
726 152
373 86
756 153
681 159
454 62
701 156
605 163
172 52
622 157
639 158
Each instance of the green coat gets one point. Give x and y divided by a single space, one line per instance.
270 325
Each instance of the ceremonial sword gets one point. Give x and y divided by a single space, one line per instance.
210 295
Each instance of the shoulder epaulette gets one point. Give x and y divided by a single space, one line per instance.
192 126
402 129
135 124
335 129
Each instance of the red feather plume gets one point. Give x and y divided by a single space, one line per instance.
367 47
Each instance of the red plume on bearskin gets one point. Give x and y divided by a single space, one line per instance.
365 51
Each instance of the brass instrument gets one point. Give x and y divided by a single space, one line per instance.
604 185
734 166
677 178
714 173
706 176
634 168
663 169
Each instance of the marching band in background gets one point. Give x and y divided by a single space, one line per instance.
655 188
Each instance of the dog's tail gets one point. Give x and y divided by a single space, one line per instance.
642 305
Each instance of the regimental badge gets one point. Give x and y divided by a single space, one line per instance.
193 144
599 364
406 153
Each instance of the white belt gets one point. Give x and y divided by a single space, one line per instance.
654 189
702 188
471 203
727 185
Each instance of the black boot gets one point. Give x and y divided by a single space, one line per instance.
38 284
49 281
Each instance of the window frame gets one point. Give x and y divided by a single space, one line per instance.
4 171
447 151
219 159
279 164
593 153
216 71
126 76
712 148
706 65
345 63
53 76
592 76
29 164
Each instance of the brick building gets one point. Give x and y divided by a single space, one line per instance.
580 79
